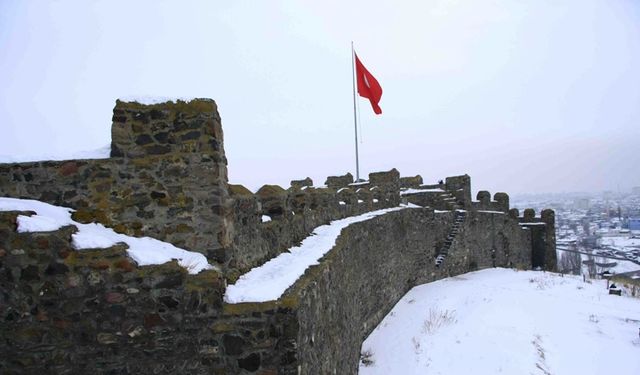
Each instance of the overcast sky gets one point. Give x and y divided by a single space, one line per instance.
524 96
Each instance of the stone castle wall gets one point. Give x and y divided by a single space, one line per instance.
292 214
160 319
375 263
166 178
66 311
77 312
500 202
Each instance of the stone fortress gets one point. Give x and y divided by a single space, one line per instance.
65 311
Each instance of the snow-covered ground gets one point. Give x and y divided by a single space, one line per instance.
144 250
621 241
269 281
502 321
621 266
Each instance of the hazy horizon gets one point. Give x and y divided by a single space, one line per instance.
525 97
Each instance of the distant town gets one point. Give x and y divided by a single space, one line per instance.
596 233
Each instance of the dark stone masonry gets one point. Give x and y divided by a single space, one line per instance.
65 311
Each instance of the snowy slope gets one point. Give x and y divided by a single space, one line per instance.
144 250
500 321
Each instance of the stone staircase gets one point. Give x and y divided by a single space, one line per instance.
449 201
455 228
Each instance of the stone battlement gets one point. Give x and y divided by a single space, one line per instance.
167 178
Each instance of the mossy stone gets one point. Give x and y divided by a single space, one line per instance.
239 190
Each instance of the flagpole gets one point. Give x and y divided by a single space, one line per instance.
355 121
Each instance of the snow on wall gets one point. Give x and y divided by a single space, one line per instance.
144 250
269 281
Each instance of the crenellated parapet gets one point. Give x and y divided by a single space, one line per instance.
484 202
274 219
166 177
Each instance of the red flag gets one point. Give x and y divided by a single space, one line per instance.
368 86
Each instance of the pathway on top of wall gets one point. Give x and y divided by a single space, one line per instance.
269 281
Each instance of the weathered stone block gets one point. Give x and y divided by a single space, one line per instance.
529 215
267 191
484 197
239 190
514 213
411 182
548 216
502 201
337 182
298 184
391 177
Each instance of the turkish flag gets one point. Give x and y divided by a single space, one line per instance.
368 86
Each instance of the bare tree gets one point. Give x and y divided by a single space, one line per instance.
591 266
571 262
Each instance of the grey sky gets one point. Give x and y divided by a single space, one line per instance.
525 96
